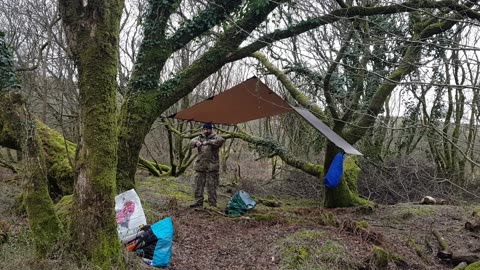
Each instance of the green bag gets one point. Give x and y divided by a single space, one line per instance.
240 203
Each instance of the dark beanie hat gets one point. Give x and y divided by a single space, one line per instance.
208 126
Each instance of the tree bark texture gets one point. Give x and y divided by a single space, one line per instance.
15 120
93 29
18 131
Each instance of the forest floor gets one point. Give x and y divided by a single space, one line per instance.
297 235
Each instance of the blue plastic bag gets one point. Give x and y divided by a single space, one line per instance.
334 174
163 230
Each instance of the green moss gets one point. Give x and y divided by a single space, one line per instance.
63 209
168 188
351 172
108 255
59 153
362 224
310 167
346 194
308 249
333 252
42 219
157 193
473 266
341 196
310 234
410 212
327 218
380 257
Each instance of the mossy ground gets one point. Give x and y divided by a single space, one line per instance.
312 249
297 235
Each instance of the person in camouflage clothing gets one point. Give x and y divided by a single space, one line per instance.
207 165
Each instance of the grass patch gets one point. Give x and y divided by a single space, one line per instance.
362 224
381 258
308 249
18 248
163 189
473 266
413 211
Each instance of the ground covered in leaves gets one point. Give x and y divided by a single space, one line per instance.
296 235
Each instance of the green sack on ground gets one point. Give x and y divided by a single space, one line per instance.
240 203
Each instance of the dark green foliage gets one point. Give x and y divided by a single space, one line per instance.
7 68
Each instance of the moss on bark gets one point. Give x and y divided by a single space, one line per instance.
93 35
43 222
63 209
473 266
59 156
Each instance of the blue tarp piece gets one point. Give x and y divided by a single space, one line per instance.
163 230
334 174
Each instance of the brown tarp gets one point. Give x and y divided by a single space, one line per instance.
252 100
246 101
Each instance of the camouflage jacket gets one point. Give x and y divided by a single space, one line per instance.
208 156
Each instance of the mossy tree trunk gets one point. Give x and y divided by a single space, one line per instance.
44 223
18 131
92 29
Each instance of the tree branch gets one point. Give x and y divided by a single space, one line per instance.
328 76
294 92
215 13
39 60
156 48
185 81
277 150
408 65
344 13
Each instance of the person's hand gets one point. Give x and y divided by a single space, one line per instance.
198 144
204 142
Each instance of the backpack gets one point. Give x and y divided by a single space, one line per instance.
155 243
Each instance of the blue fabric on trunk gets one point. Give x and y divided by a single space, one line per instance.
334 174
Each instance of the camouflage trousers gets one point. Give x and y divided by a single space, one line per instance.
209 179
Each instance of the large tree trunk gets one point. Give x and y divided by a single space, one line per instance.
58 153
18 131
345 194
42 219
93 30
